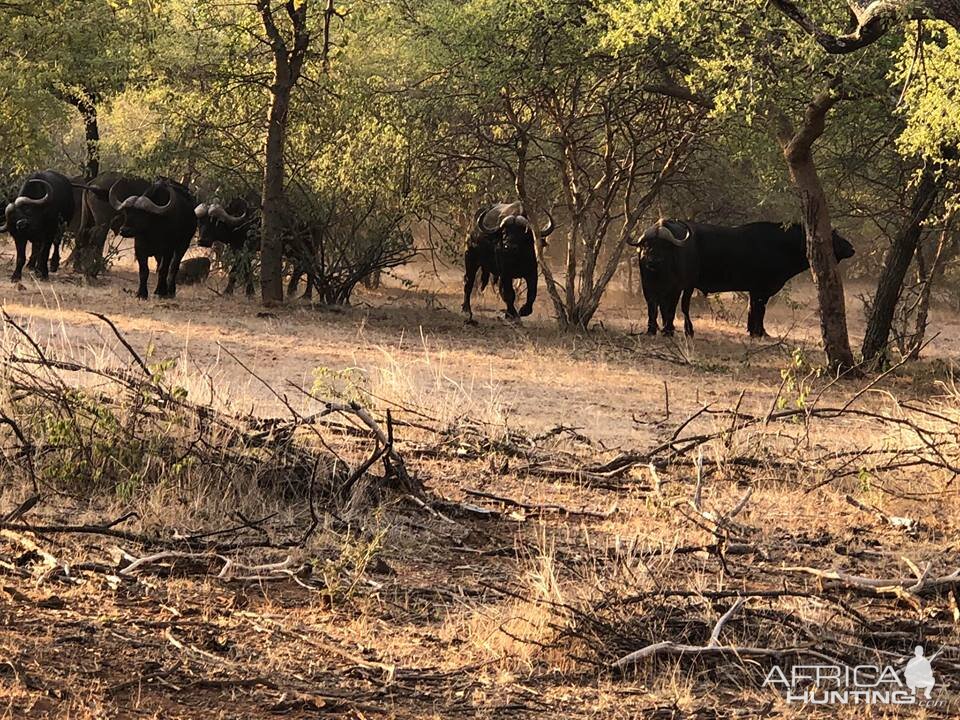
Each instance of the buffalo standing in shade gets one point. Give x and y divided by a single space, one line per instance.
758 258
39 214
161 222
501 246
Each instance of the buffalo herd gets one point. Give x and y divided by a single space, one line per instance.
675 257
161 217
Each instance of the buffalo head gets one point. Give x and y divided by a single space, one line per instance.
140 213
24 216
842 248
218 225
657 246
512 232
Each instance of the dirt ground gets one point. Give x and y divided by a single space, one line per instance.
516 592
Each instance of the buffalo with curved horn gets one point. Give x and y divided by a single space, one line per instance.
501 246
98 216
39 214
758 258
161 222
236 229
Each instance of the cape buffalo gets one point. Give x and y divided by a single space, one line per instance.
759 258
39 215
161 222
235 228
501 246
99 216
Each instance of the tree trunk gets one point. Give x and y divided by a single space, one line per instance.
798 152
287 66
271 248
92 139
86 104
896 263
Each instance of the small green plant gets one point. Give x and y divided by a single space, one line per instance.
343 574
349 384
798 379
864 484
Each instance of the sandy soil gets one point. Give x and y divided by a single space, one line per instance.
597 382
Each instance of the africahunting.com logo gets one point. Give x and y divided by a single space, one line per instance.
859 685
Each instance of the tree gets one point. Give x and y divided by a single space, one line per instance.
289 52
872 21
896 263
798 151
530 104
82 52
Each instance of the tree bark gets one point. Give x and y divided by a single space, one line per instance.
929 276
86 104
271 248
287 66
92 140
798 152
896 263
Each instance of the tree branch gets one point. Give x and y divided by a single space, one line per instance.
873 18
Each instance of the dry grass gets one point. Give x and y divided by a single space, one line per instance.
472 607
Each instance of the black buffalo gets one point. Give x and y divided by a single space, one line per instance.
758 258
235 227
238 231
161 222
501 247
98 216
39 214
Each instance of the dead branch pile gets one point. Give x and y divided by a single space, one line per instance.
79 427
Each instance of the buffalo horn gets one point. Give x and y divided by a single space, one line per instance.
201 210
147 205
219 213
665 233
549 228
24 200
481 214
116 202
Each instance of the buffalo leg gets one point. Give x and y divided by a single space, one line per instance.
21 259
41 251
668 310
471 265
527 308
294 283
55 255
509 296
652 301
163 268
172 275
685 306
143 264
755 315
651 317
246 265
32 262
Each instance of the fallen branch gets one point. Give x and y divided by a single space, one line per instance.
540 509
